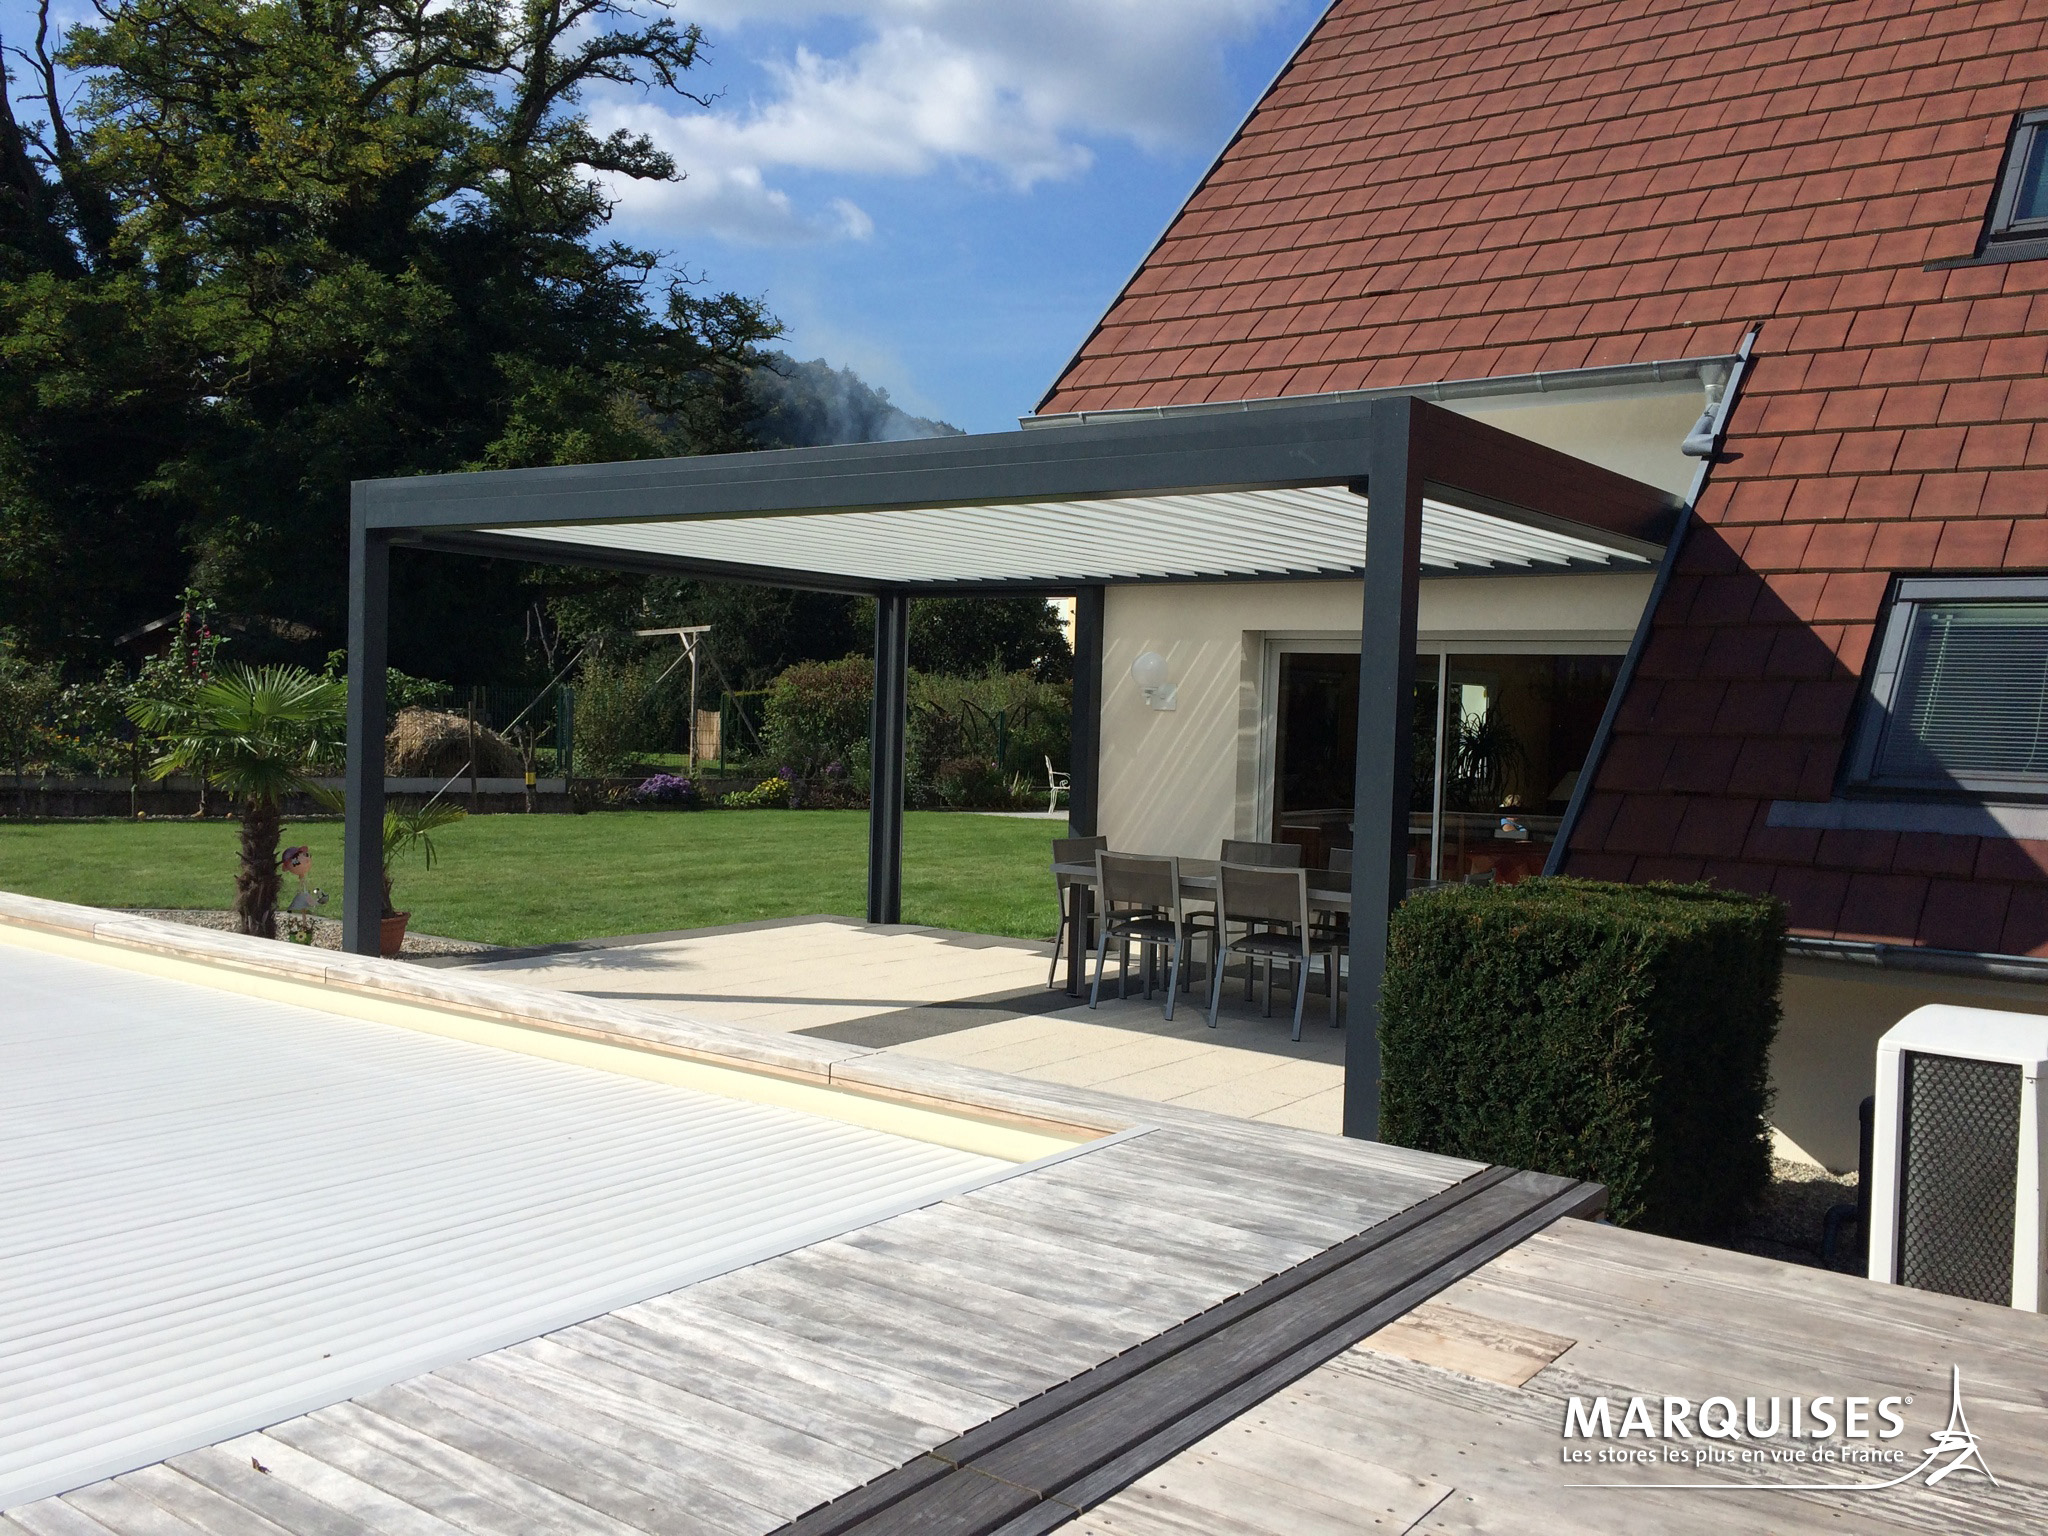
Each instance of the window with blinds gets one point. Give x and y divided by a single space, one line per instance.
1959 695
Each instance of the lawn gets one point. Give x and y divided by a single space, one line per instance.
544 879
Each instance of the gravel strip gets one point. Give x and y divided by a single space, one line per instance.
326 931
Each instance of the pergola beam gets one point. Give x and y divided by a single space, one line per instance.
1317 444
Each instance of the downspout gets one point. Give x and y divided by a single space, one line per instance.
1704 444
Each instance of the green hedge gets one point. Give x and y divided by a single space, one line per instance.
1612 1032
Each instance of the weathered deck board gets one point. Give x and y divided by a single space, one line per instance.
1088 1329
838 1417
1645 1316
1066 1277
659 1500
439 1478
890 1332
653 1433
773 1353
52 1518
470 1503
197 1505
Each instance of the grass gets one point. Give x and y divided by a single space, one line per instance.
545 879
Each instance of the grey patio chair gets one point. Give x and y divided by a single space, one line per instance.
1140 904
1268 856
1264 899
1072 850
1336 925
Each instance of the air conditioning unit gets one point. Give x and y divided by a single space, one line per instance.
1958 1154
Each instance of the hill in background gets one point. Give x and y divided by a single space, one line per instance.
813 404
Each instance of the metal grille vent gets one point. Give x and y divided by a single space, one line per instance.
1961 1167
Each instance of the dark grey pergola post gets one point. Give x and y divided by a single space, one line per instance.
886 748
362 857
1084 760
1386 727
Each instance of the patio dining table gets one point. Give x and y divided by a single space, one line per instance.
1328 891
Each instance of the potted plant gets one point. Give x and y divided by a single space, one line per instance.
256 732
409 829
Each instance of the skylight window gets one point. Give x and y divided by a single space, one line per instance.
1958 699
2019 211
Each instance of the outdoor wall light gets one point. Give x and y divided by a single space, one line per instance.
1150 674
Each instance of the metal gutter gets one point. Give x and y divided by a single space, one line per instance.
1553 381
1723 409
1907 957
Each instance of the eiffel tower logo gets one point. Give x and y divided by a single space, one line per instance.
1956 1442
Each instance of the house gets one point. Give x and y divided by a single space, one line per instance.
1573 221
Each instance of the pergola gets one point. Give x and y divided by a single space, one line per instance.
1377 489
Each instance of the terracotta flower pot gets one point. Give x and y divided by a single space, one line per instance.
392 937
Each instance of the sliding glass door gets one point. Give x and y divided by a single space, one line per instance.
1500 738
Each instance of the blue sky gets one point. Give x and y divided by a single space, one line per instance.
945 194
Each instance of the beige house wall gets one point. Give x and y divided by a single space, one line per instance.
1634 430
1825 1062
1181 780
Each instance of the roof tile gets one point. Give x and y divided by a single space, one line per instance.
1962 914
1933 853
2026 924
1813 897
1883 907
1451 188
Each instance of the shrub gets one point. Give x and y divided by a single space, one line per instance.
768 795
668 789
817 712
614 718
972 783
1010 719
1612 1032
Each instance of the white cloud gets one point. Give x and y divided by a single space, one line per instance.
1006 88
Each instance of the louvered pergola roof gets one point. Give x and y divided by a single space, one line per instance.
1276 494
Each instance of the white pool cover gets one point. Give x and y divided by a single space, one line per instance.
217 1212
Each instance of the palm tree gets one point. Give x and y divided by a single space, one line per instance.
410 828
257 733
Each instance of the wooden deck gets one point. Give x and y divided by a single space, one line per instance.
1451 1420
743 1401
748 1400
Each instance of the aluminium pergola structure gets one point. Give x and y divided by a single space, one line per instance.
1376 490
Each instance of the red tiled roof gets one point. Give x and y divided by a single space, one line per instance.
1441 189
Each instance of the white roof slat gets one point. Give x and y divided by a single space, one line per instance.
1217 535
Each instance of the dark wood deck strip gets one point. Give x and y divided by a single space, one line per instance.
1039 1465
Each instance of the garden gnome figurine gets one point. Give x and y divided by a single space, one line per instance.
299 861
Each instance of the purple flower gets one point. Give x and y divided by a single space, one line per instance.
666 789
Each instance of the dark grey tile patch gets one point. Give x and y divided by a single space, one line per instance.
927 1021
